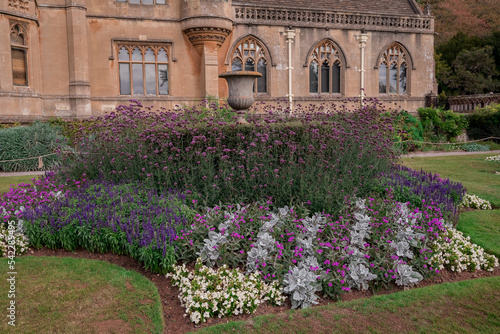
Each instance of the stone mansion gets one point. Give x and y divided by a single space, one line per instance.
79 58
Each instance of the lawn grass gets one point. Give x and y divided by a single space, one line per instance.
483 227
68 295
463 307
479 177
476 174
6 182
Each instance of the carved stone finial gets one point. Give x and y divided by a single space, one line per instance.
427 9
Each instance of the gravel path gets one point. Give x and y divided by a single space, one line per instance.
443 154
2 174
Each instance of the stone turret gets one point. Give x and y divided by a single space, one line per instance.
207 23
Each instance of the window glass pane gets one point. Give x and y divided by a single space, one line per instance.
393 78
402 79
124 79
163 79
19 67
249 65
262 81
123 54
336 78
135 1
150 79
137 79
121 0
325 78
313 77
162 56
382 79
160 2
236 65
147 2
149 55
136 54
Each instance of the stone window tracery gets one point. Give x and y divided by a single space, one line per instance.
325 66
393 71
143 69
19 53
250 55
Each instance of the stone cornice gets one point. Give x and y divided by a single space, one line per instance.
203 34
331 20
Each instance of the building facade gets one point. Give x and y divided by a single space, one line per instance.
81 58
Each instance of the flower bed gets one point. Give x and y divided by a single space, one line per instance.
107 217
417 187
317 217
321 156
208 293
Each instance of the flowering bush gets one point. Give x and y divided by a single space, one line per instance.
455 252
320 155
419 187
472 201
26 195
107 217
207 293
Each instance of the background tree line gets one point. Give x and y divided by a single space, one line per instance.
467 46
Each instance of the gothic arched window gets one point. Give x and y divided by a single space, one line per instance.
143 69
325 65
393 71
250 55
19 50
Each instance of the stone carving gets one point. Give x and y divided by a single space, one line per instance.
320 19
19 29
19 5
199 35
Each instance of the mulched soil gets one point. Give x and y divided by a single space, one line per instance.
176 323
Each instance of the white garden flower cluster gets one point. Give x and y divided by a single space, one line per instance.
21 241
472 201
457 253
207 293
493 158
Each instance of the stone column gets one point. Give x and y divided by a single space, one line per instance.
207 23
207 41
79 86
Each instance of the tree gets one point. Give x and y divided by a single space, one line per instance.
474 71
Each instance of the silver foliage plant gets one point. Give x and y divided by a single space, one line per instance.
301 284
304 277
302 281
210 253
406 276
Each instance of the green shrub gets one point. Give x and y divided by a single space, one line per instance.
484 123
475 147
74 130
32 141
439 122
408 128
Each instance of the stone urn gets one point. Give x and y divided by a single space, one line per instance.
240 85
